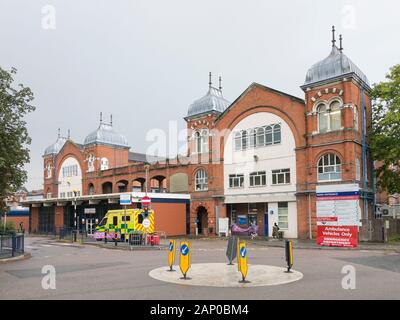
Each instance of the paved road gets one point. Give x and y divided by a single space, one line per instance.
98 273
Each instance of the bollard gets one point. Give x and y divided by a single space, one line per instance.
171 255
289 255
184 261
231 250
105 237
242 261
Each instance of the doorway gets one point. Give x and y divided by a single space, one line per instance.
90 226
202 221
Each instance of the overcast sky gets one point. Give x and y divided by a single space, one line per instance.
146 61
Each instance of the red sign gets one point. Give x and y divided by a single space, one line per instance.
340 236
146 201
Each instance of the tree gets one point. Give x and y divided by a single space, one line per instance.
14 138
385 131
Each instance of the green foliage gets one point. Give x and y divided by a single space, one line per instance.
9 227
14 138
385 131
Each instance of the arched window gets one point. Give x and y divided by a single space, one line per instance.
197 141
268 136
245 140
48 171
91 189
201 180
253 138
238 141
277 133
335 116
104 164
204 141
260 137
355 118
323 117
329 119
329 168
90 162
358 170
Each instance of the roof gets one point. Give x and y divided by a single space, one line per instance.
213 101
142 157
55 147
105 134
336 65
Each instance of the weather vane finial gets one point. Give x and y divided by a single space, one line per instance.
341 42
59 132
101 117
209 80
333 36
220 83
111 120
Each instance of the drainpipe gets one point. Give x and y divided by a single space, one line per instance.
364 155
309 216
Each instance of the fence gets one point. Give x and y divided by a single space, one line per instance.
11 245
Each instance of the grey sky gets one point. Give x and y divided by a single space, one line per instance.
146 61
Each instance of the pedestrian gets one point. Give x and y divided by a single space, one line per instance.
275 231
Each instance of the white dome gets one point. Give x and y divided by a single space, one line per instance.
106 134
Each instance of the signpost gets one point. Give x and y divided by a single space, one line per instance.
146 201
231 250
124 200
171 254
242 261
338 215
184 260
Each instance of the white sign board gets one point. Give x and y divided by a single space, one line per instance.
146 223
223 226
338 205
125 199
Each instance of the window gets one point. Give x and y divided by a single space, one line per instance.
104 164
257 137
277 134
268 136
70 171
115 220
355 118
238 141
253 138
62 195
358 170
90 161
197 140
236 181
283 215
91 190
258 179
260 137
329 119
204 141
281 176
201 180
48 169
128 218
329 168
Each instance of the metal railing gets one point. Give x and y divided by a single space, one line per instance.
11 245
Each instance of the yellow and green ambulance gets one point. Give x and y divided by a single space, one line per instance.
113 223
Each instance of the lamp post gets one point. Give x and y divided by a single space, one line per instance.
146 167
76 221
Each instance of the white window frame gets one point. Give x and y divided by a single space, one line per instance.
330 169
201 180
328 113
261 175
236 181
281 173
283 212
104 164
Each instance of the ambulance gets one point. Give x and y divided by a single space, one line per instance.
113 226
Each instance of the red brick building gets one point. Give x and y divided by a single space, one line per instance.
257 160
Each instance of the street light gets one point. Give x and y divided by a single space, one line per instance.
76 221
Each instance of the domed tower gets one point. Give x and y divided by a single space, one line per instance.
201 118
105 148
338 111
49 161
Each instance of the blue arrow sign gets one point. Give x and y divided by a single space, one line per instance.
171 246
184 250
243 252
